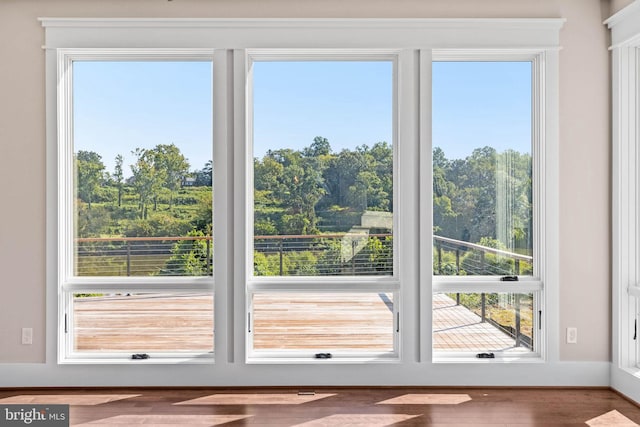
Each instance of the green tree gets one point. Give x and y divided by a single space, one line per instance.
190 257
173 166
148 179
319 147
118 178
90 175
204 177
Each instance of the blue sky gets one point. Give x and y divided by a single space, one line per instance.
120 106
477 104
349 103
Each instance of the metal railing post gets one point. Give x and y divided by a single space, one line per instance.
128 258
457 273
209 263
439 247
517 307
517 262
281 250
353 257
483 306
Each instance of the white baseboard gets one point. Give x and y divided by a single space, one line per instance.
627 382
552 374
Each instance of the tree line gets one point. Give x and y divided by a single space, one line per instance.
484 198
296 190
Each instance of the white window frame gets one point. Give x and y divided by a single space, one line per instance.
625 35
492 284
331 285
416 39
70 283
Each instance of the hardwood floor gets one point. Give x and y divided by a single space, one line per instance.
376 407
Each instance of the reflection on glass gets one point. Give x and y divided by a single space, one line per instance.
323 168
482 168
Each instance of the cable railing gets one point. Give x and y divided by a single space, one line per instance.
287 255
144 256
455 257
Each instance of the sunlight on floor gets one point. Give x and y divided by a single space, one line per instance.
69 399
166 420
358 420
427 399
611 419
256 399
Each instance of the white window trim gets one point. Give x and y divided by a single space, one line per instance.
416 37
625 35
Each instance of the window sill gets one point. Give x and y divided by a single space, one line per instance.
308 360
499 359
126 360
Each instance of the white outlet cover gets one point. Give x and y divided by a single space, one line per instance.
27 335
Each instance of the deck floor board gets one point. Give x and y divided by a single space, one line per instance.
359 321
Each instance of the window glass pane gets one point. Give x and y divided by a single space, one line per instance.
482 168
323 322
142 149
490 322
323 168
135 323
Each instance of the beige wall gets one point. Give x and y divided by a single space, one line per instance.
617 5
584 150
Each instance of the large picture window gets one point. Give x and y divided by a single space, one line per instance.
484 227
309 192
136 163
323 207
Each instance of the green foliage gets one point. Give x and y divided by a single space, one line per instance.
330 259
379 254
485 195
291 187
157 225
301 264
500 309
90 175
189 257
286 263
92 222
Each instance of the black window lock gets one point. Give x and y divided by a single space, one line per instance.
509 278
323 356
140 356
486 356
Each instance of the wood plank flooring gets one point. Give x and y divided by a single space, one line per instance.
366 407
282 321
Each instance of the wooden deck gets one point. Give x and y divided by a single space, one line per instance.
281 321
455 328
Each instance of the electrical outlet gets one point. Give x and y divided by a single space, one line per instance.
572 335
27 336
